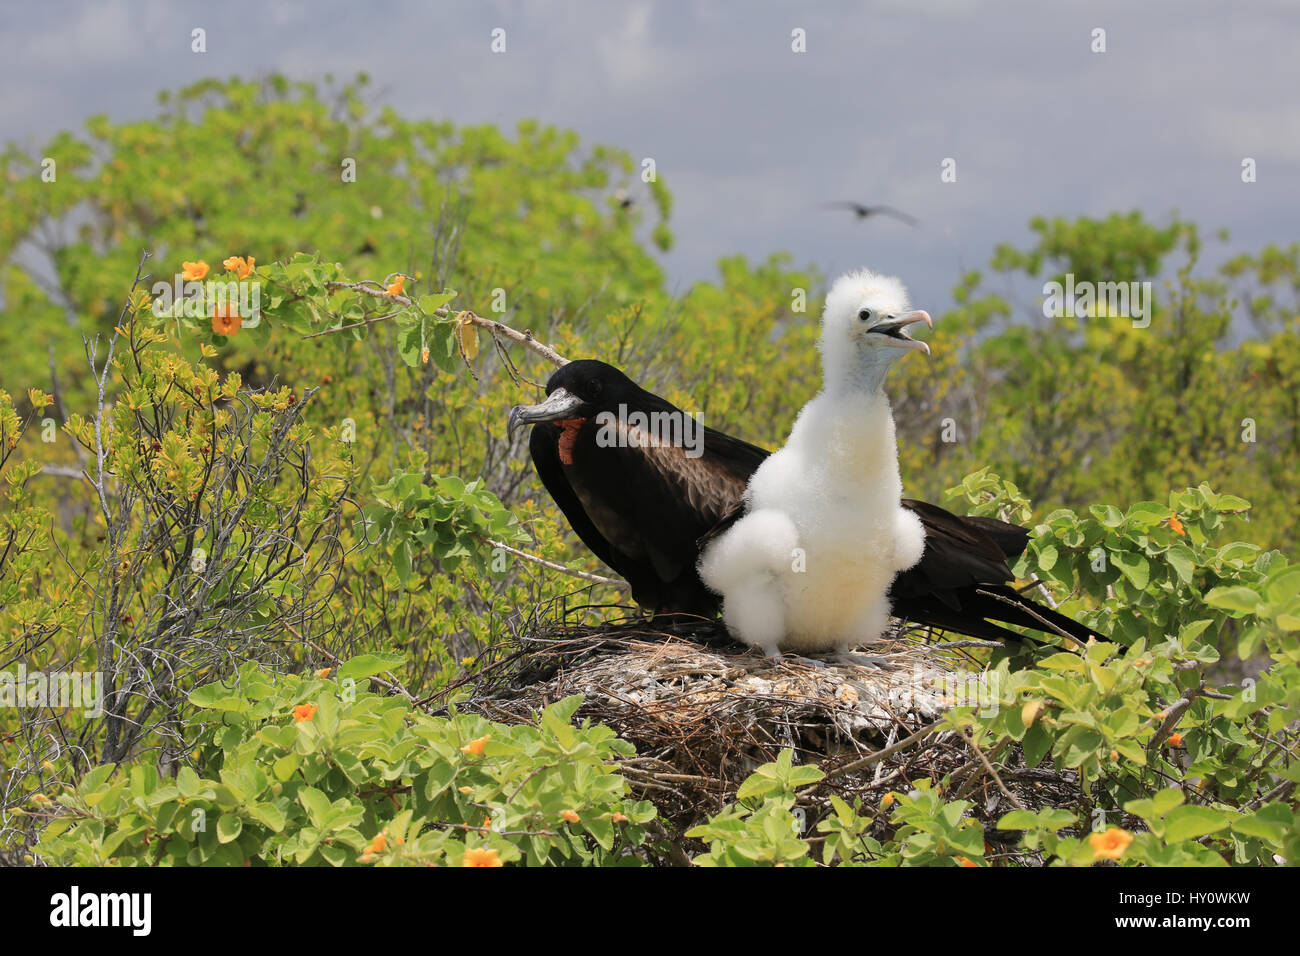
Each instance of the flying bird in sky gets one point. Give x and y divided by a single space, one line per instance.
645 506
865 212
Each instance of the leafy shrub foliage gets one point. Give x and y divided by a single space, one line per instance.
313 770
331 480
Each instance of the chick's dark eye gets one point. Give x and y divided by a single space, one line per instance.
865 315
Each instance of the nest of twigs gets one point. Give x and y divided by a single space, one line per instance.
705 711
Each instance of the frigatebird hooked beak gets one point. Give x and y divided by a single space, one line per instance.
560 404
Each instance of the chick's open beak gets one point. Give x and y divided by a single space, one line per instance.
894 328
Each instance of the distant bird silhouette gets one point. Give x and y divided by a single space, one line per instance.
864 212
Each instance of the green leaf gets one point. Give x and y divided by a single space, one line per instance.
187 781
315 803
368 665
1180 558
229 826
1108 515
1135 567
1233 599
269 815
1189 822
1283 585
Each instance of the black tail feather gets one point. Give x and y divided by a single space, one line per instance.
980 606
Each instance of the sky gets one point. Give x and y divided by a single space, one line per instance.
753 138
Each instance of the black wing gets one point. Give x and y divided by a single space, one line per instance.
544 447
672 498
641 507
959 554
855 207
896 213
960 583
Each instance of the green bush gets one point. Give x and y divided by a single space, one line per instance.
311 770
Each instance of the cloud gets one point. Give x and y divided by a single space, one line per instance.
752 137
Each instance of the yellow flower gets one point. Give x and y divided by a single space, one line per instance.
194 271
1111 844
475 747
481 858
241 267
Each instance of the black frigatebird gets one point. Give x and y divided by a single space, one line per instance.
862 211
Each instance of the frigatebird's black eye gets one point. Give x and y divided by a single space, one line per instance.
594 387
865 315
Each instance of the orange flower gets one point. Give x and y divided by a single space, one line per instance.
963 861
570 816
396 287
241 267
618 817
1176 739
226 321
324 672
378 845
1176 526
886 801
487 823
475 747
194 271
481 858
1111 844
304 712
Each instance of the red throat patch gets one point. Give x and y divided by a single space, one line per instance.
568 435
